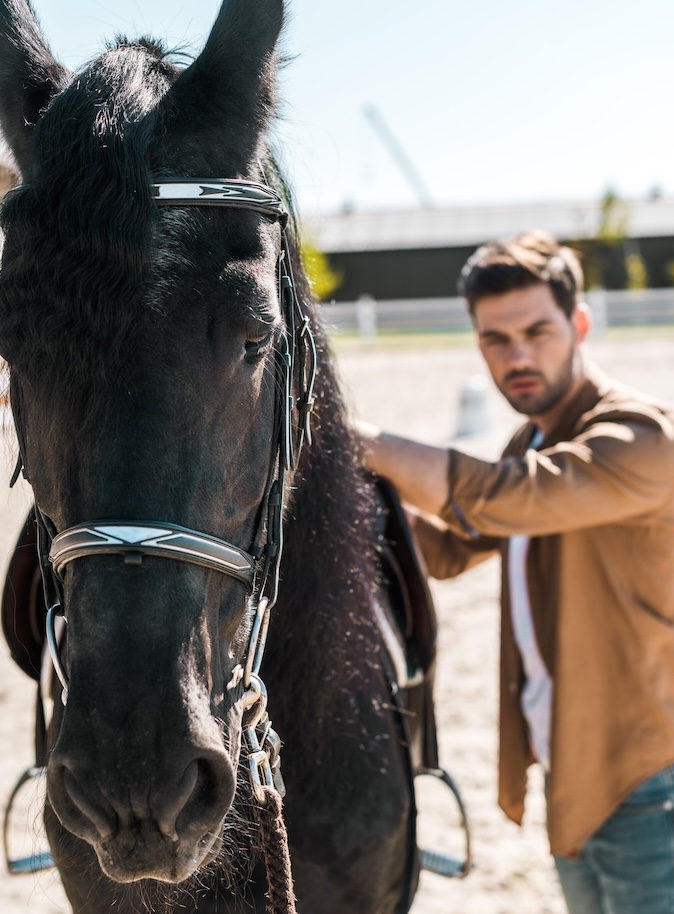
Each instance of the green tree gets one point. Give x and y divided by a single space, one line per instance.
323 278
610 259
614 219
669 271
637 272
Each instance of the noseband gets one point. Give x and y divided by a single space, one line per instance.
258 568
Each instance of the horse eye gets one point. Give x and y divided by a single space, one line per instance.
256 346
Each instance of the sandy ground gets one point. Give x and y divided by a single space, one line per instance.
417 393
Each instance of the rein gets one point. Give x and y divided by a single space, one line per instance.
258 568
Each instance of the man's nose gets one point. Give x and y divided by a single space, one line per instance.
519 354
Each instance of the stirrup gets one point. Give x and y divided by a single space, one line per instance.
35 862
440 863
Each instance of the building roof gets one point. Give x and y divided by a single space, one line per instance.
472 225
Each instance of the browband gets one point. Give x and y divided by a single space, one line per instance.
234 193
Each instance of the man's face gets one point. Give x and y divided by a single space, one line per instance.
530 347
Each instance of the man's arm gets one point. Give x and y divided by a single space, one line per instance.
446 554
609 473
418 471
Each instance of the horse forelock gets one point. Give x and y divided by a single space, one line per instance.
78 234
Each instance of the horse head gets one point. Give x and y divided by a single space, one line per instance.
147 347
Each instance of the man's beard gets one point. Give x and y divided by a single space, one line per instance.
553 392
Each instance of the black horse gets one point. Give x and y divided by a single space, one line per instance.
162 379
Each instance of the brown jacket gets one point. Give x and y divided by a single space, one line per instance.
598 501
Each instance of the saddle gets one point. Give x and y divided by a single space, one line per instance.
409 628
23 609
409 625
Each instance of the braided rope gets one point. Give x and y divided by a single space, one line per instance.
276 853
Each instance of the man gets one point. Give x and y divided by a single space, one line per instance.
581 507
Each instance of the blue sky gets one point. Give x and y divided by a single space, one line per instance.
490 101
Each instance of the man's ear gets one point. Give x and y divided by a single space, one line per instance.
582 320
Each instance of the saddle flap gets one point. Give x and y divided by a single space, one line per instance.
23 608
406 578
412 612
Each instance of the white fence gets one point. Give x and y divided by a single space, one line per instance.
613 309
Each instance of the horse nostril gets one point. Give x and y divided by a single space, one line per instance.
169 811
202 796
89 803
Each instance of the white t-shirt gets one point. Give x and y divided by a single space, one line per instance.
536 698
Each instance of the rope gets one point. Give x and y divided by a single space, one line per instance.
280 894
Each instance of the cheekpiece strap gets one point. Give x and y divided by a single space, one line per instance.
230 192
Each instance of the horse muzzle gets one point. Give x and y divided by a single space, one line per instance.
165 828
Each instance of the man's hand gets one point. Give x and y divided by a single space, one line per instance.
418 471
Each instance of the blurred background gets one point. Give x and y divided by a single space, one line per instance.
413 132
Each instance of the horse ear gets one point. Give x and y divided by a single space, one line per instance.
227 93
29 77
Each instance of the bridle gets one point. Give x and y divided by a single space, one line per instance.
258 568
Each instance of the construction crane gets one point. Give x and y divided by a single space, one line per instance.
396 152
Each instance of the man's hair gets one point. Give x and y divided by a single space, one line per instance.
517 263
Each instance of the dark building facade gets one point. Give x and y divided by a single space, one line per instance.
419 254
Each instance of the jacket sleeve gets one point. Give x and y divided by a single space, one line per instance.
612 472
446 554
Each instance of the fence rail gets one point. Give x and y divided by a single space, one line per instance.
612 309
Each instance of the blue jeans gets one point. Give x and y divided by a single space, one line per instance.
627 867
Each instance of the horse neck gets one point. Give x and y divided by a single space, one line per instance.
324 621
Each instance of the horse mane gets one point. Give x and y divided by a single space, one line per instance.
330 551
